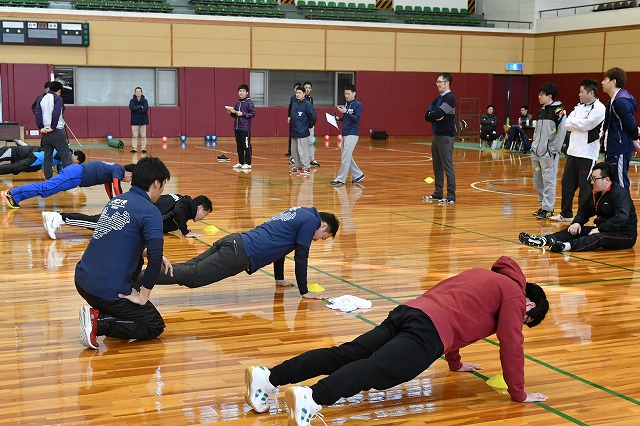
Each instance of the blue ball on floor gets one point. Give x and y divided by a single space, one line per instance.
207 138
214 138
109 137
183 138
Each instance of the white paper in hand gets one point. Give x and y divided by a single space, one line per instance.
331 120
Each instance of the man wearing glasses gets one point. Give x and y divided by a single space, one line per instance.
441 115
616 223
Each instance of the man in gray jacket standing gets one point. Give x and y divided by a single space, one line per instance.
545 150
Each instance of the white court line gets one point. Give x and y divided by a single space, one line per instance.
474 186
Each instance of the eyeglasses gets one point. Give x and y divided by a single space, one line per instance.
594 179
440 81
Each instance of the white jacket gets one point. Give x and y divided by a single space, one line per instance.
584 125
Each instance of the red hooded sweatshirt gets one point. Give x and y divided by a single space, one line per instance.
476 304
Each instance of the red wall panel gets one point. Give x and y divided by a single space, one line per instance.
166 122
264 123
226 82
199 113
282 125
78 122
371 90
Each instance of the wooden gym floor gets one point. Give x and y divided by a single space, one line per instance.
391 246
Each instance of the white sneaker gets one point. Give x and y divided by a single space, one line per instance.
246 166
560 218
258 388
51 222
302 407
237 166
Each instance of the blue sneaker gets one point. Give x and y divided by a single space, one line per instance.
358 179
447 200
336 182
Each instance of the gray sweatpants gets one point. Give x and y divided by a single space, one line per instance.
545 170
348 163
300 152
442 152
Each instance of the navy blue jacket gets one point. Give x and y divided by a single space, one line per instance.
351 119
303 117
139 111
128 224
620 124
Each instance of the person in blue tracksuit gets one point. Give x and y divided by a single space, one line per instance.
351 112
30 158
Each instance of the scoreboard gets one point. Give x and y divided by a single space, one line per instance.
44 33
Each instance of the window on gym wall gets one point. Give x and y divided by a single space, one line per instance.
274 88
95 86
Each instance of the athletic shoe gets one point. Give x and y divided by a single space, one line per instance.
292 161
358 179
302 407
532 240
556 247
304 172
8 198
144 151
223 158
51 222
447 200
336 182
537 212
294 171
544 214
246 166
133 151
314 163
237 166
258 388
560 218
432 197
89 327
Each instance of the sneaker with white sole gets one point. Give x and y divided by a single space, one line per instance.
237 166
258 388
302 407
246 166
560 218
314 163
532 240
432 197
292 161
51 222
558 247
358 179
89 327
447 200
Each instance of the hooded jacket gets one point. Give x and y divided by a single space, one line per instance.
476 304
584 123
619 127
245 106
549 132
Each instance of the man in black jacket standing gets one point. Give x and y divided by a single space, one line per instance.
175 209
441 114
139 107
616 223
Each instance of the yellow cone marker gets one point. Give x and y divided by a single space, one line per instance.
315 288
497 382
429 180
210 230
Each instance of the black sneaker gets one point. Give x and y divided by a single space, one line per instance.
532 240
314 163
537 212
556 247
144 151
447 200
288 154
544 214
133 151
8 198
223 158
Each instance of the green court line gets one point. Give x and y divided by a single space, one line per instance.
392 300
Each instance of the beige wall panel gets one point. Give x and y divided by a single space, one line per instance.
130 44
288 48
365 50
428 52
486 54
44 54
622 50
578 53
209 46
538 55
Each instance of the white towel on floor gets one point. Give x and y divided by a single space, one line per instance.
348 303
